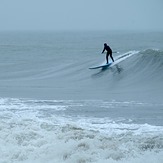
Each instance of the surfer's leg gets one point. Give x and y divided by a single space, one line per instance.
111 56
107 55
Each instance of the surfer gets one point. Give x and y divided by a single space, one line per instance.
109 52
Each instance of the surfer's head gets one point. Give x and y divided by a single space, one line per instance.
105 44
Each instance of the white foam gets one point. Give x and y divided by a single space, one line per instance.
28 136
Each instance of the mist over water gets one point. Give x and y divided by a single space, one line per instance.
53 108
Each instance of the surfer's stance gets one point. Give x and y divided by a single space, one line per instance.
109 52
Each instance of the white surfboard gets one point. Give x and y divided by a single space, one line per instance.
118 59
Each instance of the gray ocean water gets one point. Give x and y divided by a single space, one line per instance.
54 109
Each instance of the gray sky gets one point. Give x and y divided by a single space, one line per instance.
81 14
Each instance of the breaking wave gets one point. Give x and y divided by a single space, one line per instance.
31 131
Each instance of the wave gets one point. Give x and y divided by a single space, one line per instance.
137 71
139 65
151 60
32 131
138 76
146 66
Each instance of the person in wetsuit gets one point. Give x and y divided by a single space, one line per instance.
109 52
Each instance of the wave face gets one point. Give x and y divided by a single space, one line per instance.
150 63
138 73
144 69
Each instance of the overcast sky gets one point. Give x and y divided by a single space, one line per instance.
81 14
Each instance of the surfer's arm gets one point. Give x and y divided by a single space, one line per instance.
103 50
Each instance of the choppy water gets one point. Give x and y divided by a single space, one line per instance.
54 109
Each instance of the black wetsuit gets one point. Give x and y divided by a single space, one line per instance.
109 52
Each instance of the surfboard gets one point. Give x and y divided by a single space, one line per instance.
117 60
101 66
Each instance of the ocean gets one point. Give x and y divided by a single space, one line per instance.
54 109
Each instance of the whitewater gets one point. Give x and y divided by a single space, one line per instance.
54 109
